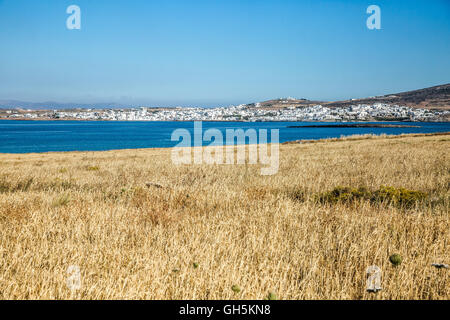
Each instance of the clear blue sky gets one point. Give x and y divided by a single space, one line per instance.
219 52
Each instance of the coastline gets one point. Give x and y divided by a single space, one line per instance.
244 121
354 137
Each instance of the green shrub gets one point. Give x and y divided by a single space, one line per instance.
236 288
398 196
271 296
396 259
384 195
61 200
344 194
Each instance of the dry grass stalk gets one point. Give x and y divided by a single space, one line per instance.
262 233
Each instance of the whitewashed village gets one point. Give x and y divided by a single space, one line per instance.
251 113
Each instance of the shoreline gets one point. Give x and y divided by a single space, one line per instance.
354 137
244 121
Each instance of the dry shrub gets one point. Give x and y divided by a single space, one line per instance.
15 212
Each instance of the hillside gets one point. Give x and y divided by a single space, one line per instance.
436 98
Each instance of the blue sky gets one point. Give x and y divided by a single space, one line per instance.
219 52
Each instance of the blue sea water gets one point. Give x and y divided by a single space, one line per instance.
45 136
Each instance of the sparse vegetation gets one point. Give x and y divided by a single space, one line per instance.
92 168
236 288
344 194
243 230
398 196
272 296
396 259
384 195
61 200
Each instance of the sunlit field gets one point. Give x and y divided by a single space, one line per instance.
139 227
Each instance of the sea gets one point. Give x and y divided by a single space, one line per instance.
18 136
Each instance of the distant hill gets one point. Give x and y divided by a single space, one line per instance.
285 102
437 97
15 104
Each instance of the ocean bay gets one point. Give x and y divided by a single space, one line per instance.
17 136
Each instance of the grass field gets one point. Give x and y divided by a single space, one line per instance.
208 228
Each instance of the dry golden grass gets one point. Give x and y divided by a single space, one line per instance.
133 241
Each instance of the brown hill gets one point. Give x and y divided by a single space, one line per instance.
283 103
436 98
